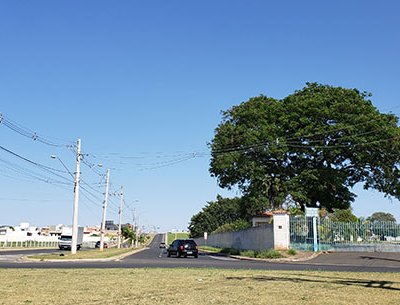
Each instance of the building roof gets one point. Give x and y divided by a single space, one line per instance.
272 213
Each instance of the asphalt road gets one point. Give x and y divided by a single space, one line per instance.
154 257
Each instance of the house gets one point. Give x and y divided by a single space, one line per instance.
111 226
266 217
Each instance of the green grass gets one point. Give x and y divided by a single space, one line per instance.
271 253
172 236
230 251
268 254
149 286
209 249
248 253
89 254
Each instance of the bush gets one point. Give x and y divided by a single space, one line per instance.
230 251
291 252
233 226
248 253
271 253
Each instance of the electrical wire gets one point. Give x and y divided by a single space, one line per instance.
31 174
28 133
30 161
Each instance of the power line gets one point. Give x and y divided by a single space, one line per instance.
31 174
170 163
28 133
41 166
30 161
345 146
286 140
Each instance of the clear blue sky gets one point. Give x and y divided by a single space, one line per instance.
142 83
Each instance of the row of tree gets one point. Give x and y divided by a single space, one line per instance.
310 147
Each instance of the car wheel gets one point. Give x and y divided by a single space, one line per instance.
168 254
178 254
196 256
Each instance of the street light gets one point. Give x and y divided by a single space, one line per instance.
76 195
135 221
63 164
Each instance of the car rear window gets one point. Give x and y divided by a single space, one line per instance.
190 242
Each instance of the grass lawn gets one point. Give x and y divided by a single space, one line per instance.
88 254
172 236
195 286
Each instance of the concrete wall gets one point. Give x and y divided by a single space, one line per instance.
281 232
257 238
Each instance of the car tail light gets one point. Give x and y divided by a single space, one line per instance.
180 247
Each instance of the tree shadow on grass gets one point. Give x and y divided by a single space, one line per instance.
323 280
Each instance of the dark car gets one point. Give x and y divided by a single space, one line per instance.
97 245
183 247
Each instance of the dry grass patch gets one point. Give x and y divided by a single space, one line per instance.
195 286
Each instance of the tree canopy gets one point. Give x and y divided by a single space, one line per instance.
313 145
215 214
381 216
344 215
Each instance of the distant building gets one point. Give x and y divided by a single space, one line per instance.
24 229
111 226
4 229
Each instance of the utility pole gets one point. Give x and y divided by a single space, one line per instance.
137 230
121 197
74 240
103 223
134 226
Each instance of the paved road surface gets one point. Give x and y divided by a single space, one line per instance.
154 257
365 259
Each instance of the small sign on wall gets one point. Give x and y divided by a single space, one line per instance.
312 212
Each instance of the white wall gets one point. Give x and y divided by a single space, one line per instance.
281 232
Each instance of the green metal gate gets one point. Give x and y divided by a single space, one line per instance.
345 235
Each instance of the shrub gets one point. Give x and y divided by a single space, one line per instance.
271 253
230 251
233 226
248 253
291 252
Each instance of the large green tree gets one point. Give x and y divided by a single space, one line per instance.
313 145
381 216
215 214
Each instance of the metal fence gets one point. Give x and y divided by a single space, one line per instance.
348 236
27 244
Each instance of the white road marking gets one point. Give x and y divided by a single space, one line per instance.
222 258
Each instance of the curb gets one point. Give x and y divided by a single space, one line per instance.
278 260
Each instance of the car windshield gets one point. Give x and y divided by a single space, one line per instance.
190 242
66 237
